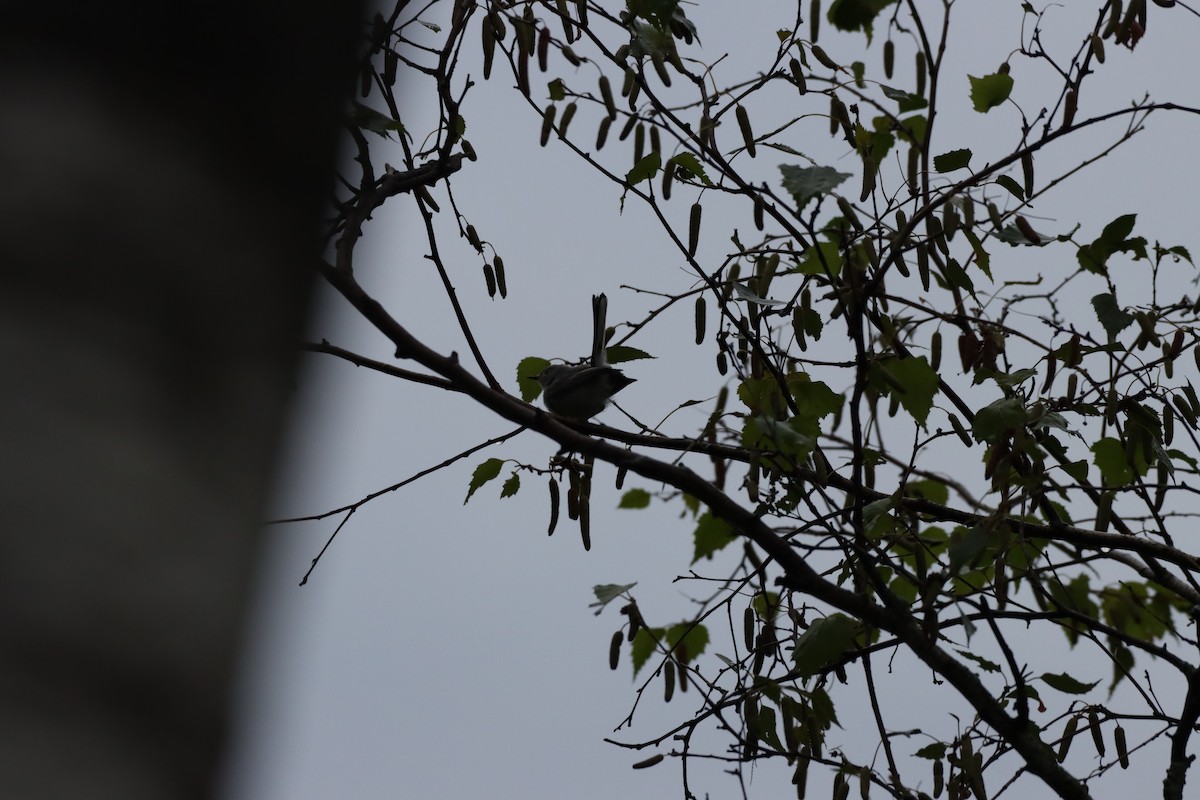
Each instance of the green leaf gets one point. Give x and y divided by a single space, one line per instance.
620 354
955 159
913 128
761 395
873 145
371 120
558 90
954 275
1116 232
878 521
1075 596
483 473
856 15
688 163
1111 316
607 592
1008 380
990 90
644 169
810 322
933 752
1014 236
1076 469
904 589
931 490
1014 188
965 550
998 419
645 643
1109 456
766 605
1178 252
1129 607
821 257
687 640
906 100
1066 684
763 727
1114 238
823 643
527 372
920 384
1123 663
794 438
805 183
987 666
511 486
813 398
711 534
982 258
635 498
649 39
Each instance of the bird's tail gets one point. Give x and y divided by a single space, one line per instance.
599 330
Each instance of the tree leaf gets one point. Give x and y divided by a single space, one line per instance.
1109 455
965 549
856 15
511 486
644 169
920 384
1114 238
913 128
990 90
931 490
955 159
620 354
635 498
687 640
691 165
813 398
906 100
483 473
1111 316
711 534
607 592
1016 237
823 643
763 727
1075 596
983 259
793 439
933 752
766 605
987 666
527 371
644 644
997 419
805 183
1066 684
371 120
821 257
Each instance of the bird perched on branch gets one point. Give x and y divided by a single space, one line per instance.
582 391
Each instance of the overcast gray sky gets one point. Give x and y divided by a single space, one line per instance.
443 650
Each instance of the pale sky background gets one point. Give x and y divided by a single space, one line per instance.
443 650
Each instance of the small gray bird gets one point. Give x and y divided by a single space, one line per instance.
582 392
